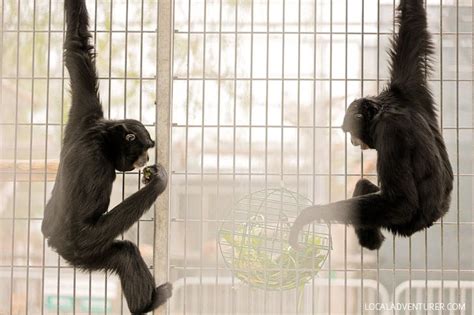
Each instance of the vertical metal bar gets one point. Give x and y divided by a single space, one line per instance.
346 63
315 28
125 63
95 47
441 124
265 301
282 139
30 158
163 135
202 161
1 77
345 145
185 236
46 156
15 154
330 145
124 175
378 91
393 236
62 124
362 152
250 112
426 230
58 290
234 137
140 101
216 284
43 254
170 8
203 122
111 8
458 214
409 269
219 84
298 102
46 133
2 16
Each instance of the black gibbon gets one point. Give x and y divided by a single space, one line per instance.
413 168
76 221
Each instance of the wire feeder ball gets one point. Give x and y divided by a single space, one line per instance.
254 241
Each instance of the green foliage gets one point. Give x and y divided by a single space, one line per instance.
258 253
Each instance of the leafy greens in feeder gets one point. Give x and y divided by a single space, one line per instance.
254 241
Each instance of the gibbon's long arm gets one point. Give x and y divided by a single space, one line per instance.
76 222
400 123
79 59
410 54
394 204
118 220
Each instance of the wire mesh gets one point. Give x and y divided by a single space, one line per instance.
34 106
254 241
259 89
259 92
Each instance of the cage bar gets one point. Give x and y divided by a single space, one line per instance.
224 129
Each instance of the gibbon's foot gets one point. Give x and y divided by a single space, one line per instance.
161 294
154 171
370 238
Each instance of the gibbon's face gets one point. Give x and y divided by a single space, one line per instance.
133 141
357 122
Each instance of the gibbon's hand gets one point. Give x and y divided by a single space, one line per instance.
155 175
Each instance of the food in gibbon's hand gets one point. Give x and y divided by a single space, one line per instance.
76 221
414 171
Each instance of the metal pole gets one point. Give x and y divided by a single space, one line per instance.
163 136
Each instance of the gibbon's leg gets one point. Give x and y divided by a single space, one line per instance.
123 257
370 238
373 210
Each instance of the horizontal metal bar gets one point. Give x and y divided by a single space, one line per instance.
220 126
287 173
336 269
177 78
177 31
176 220
223 268
50 266
284 126
40 219
98 31
128 78
226 173
51 124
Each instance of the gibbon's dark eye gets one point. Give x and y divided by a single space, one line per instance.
358 116
130 137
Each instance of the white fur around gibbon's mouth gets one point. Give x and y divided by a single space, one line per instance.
141 161
357 142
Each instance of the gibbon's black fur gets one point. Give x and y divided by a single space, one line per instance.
76 222
414 171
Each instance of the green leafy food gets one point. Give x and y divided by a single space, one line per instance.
262 261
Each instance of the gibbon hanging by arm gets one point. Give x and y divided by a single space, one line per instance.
414 171
76 221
